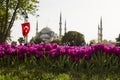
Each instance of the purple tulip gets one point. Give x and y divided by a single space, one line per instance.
54 45
21 56
39 53
2 51
48 47
54 53
71 52
32 50
74 52
10 51
76 59
117 51
87 56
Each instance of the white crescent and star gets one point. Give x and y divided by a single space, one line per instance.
26 28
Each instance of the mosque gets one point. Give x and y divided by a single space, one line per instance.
47 34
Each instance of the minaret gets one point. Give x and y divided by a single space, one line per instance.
65 28
36 27
98 33
60 24
101 35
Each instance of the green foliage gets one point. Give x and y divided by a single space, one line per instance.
2 23
74 38
21 40
63 77
9 76
14 43
93 41
36 40
99 67
29 5
10 10
118 40
58 41
105 41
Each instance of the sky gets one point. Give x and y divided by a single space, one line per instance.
81 15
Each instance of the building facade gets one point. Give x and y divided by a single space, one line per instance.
47 34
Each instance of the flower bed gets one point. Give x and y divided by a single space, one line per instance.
100 59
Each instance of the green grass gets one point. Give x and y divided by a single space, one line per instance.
60 68
23 72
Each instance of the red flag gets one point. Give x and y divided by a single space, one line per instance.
25 28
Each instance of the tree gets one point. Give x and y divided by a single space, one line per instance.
58 41
73 38
118 40
9 11
105 41
21 40
14 43
93 41
36 40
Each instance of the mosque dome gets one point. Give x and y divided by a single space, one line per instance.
46 30
47 34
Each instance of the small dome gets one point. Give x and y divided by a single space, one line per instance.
46 30
47 34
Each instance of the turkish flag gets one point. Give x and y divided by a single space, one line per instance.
25 28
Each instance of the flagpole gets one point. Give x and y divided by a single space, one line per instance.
25 20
